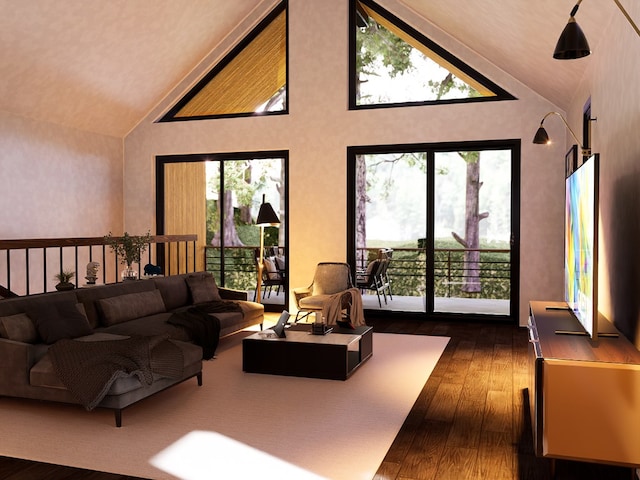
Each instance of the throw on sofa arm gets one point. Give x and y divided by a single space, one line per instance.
231 294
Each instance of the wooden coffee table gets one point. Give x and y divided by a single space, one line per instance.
333 356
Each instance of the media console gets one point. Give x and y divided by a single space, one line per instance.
584 396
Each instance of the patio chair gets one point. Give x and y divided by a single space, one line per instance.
369 280
272 276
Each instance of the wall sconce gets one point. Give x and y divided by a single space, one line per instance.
266 217
572 42
542 138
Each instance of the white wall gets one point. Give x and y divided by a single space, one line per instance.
319 127
612 81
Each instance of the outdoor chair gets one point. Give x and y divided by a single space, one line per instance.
272 275
369 280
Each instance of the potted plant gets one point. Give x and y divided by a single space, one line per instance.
129 248
64 278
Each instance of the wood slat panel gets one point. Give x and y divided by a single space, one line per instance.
185 212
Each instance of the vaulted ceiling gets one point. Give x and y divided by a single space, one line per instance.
102 65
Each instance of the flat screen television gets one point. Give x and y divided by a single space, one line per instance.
581 244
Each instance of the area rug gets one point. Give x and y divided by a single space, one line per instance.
238 425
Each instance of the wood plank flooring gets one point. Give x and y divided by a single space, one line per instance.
469 422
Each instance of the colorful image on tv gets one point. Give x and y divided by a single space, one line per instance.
581 244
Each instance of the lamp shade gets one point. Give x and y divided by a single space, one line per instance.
541 137
266 215
572 42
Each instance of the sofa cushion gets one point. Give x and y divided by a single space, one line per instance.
89 296
19 328
203 288
149 325
123 308
174 290
55 319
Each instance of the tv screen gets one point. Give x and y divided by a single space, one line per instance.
581 244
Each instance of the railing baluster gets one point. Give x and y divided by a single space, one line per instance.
27 272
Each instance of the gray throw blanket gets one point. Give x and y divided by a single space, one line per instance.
88 369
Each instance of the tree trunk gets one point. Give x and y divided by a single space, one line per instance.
231 238
471 240
361 203
472 228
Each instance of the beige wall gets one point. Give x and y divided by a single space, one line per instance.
612 81
57 182
319 127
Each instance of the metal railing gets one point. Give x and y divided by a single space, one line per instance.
28 266
407 269
452 273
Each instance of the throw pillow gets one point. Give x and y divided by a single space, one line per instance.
19 328
203 288
123 308
57 319
272 270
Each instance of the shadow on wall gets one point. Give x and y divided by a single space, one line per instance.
623 242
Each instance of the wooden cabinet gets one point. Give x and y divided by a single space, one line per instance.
584 396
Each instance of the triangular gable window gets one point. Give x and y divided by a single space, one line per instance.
251 79
392 64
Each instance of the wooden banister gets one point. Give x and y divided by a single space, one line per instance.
29 262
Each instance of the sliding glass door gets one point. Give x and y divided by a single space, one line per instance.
218 196
444 219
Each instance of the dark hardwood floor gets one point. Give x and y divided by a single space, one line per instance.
469 422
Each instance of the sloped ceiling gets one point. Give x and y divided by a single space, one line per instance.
102 65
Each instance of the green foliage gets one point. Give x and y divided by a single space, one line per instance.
128 247
65 276
376 43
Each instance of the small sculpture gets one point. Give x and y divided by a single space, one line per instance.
152 270
92 272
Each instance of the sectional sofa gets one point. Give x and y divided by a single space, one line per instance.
57 346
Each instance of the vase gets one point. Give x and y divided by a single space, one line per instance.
61 287
129 274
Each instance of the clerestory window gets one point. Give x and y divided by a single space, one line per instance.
250 80
393 64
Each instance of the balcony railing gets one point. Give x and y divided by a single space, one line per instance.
407 270
28 266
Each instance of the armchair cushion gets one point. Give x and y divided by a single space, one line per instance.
271 268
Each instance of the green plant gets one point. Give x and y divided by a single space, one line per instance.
128 247
65 276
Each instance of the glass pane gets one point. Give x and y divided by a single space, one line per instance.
394 66
391 229
472 232
234 238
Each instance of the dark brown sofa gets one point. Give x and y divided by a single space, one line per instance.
29 326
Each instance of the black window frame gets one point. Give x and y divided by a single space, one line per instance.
500 93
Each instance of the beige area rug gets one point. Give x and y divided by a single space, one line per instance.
238 425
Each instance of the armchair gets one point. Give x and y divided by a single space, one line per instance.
329 278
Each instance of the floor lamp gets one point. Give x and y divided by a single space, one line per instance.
266 217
